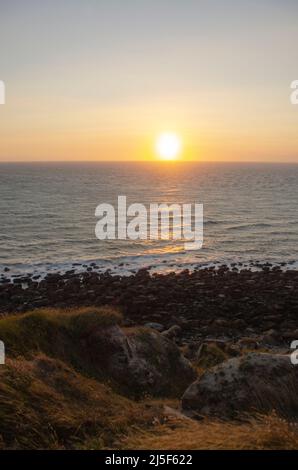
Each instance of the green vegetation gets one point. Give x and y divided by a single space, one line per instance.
44 329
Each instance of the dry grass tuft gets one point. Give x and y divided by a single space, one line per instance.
45 329
267 432
45 404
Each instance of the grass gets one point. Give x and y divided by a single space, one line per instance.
44 329
263 432
39 329
58 334
77 337
47 405
51 399
210 356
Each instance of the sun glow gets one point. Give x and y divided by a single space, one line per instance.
168 146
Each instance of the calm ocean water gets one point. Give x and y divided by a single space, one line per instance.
48 221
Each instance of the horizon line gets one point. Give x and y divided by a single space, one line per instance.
168 162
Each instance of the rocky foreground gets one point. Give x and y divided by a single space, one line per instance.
149 361
78 378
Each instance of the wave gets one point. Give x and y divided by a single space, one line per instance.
248 226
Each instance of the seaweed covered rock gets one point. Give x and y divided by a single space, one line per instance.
254 382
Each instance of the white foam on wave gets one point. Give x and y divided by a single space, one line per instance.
129 265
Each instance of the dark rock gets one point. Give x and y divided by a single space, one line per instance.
142 362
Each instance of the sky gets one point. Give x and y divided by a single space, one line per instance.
101 79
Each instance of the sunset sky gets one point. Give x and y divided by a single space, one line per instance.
100 80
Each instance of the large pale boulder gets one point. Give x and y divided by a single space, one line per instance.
255 382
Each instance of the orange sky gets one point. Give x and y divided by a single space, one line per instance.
106 84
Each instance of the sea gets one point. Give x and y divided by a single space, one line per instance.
47 214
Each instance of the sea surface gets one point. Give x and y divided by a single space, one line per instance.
48 214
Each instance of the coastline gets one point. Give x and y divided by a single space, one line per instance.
129 265
217 301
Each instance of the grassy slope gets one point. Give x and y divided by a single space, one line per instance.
52 330
46 403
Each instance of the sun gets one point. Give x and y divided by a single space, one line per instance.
168 146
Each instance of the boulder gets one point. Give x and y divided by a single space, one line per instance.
139 361
255 382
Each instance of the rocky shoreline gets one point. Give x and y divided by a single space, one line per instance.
210 303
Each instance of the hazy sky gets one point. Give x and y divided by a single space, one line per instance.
99 79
